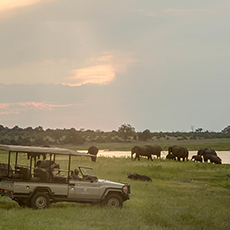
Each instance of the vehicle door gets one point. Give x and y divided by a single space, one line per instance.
85 189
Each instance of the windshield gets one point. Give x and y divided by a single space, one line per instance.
86 171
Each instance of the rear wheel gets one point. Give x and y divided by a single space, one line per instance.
114 201
40 201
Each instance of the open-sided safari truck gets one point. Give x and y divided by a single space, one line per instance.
19 181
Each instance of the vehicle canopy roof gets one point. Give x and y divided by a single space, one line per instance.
42 150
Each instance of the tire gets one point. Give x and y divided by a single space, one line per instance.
114 201
40 201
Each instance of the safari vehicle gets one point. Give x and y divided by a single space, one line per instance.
19 181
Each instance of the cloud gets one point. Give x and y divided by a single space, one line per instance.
7 5
100 70
100 73
185 12
10 7
16 108
11 4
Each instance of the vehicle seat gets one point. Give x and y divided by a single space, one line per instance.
25 173
37 173
4 170
44 176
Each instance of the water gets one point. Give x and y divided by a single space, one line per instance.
224 155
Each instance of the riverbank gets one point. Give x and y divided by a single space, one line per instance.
224 155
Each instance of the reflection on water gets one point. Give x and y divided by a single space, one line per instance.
224 155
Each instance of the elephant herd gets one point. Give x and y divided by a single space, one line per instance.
175 153
207 154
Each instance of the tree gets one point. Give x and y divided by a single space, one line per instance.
39 129
145 135
199 130
226 130
125 131
73 138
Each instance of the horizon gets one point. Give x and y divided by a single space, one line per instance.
100 130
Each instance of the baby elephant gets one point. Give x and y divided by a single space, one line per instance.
170 156
213 159
135 176
197 158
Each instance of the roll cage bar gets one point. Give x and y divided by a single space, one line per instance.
34 152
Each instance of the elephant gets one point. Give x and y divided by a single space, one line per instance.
93 150
141 151
154 150
213 159
170 156
205 151
197 158
178 152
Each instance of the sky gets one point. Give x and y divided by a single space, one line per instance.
97 64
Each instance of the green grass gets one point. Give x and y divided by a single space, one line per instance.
222 144
182 196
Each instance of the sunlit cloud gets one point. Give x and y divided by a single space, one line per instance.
100 73
8 8
16 108
12 4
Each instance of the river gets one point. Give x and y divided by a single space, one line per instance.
224 155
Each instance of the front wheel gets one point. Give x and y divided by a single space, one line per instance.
114 201
40 201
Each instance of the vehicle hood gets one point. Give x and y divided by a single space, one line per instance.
110 183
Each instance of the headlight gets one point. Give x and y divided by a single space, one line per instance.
125 189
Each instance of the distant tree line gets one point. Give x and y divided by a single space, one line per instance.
40 137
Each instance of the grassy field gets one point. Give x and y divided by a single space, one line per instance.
222 144
181 196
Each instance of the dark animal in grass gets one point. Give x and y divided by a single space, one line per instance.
213 159
135 176
197 158
93 150
141 151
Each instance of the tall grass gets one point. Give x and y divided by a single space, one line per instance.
182 196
